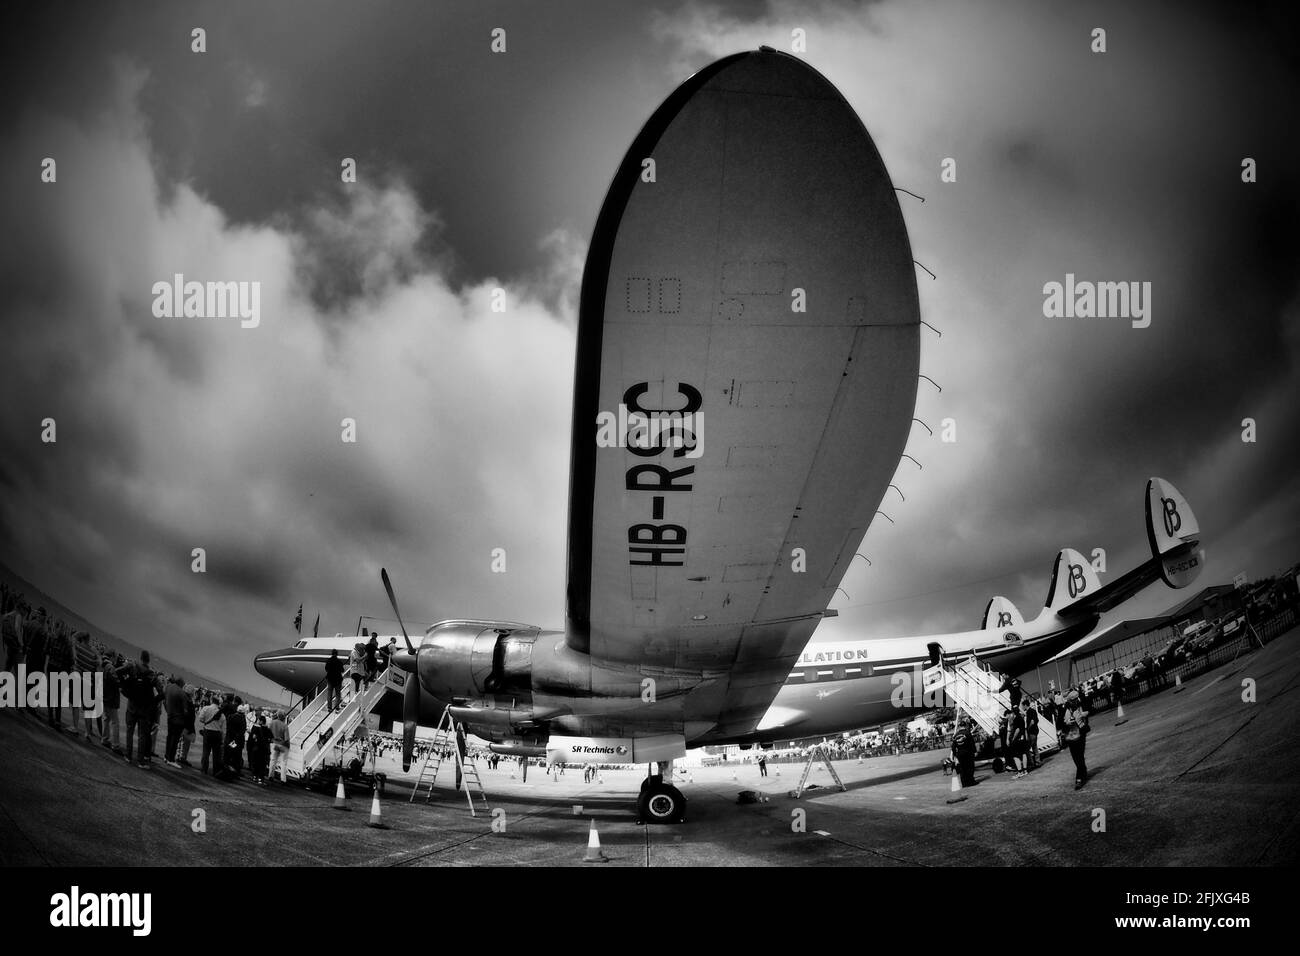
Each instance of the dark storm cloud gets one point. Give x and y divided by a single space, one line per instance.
503 147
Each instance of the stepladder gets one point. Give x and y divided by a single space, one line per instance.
445 746
817 753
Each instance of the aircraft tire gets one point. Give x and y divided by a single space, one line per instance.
661 804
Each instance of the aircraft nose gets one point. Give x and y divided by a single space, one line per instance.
272 666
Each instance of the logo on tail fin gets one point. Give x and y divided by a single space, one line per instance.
1072 579
1173 520
1077 583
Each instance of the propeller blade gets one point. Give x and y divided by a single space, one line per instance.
410 718
461 748
392 599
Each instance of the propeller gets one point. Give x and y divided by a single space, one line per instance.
408 662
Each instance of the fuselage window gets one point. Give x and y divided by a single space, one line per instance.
810 674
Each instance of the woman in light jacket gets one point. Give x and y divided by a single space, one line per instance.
357 667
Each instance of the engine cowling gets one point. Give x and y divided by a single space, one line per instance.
463 660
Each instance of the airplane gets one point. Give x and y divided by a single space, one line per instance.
749 265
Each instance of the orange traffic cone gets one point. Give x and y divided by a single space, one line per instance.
594 854
1119 715
956 790
341 796
1178 683
375 814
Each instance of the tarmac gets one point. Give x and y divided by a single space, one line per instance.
1196 778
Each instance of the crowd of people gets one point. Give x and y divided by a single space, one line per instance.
139 704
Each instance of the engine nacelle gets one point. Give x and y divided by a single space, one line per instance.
463 660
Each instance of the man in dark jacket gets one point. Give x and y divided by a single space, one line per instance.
1015 740
236 730
60 660
372 657
1013 690
963 751
334 677
1031 734
112 737
142 689
179 709
259 750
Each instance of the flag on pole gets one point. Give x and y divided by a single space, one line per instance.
297 621
316 627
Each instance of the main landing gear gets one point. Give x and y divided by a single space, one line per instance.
660 802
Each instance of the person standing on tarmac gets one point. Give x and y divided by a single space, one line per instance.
963 752
1030 715
1072 724
142 689
1016 742
212 725
259 750
279 748
176 702
762 764
236 732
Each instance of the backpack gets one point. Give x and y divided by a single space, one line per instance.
137 687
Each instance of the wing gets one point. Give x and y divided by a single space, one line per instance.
760 283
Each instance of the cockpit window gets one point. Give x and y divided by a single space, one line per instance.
301 644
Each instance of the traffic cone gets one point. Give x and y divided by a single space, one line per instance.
733 775
956 789
1178 683
1119 715
341 796
375 815
594 854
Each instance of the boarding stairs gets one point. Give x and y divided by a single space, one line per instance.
975 691
315 730
445 740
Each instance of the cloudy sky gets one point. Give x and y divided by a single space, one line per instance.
479 170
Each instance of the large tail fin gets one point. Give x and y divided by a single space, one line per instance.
1174 534
1001 613
1073 579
